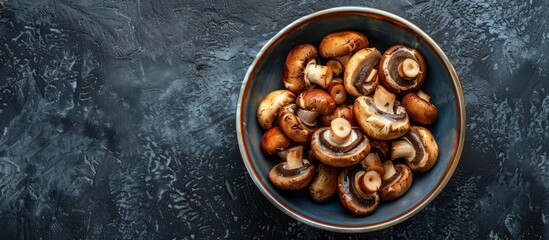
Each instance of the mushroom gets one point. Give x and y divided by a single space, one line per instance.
340 145
360 77
270 106
419 108
358 190
336 66
342 111
402 69
301 70
274 141
381 116
292 126
337 91
293 174
396 180
324 185
340 44
418 147
313 102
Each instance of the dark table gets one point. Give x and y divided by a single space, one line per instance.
117 119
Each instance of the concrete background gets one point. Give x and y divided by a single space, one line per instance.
117 119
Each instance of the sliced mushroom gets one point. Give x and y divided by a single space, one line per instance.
342 43
352 183
381 117
337 91
301 70
360 77
293 174
418 147
340 145
274 141
292 125
396 180
313 102
402 69
270 106
419 108
324 185
342 111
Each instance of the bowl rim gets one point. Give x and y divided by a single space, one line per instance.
386 16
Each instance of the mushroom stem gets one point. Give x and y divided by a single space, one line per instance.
294 157
423 95
340 130
368 182
372 76
337 92
384 100
389 169
307 117
372 162
318 74
408 69
283 155
402 149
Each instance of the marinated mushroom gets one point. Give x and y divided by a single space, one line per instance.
270 106
381 116
396 181
358 190
360 77
340 145
337 91
301 69
402 69
419 108
313 102
418 147
324 185
293 174
292 125
340 44
274 141
342 111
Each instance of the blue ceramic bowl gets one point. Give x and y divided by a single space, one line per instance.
383 29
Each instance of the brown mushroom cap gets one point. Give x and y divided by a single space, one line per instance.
395 185
389 69
324 185
342 43
342 111
418 147
351 195
270 106
347 155
420 110
274 141
292 126
316 100
360 76
295 65
294 174
382 148
378 123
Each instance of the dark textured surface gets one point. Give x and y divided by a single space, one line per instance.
117 119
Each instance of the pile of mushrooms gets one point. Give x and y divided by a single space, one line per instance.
352 121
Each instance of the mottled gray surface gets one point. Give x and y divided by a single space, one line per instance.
117 119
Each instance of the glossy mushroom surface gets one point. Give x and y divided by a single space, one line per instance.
361 74
292 126
397 180
419 109
339 44
351 195
270 106
301 69
324 185
293 174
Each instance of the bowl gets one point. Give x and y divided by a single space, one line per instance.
383 30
